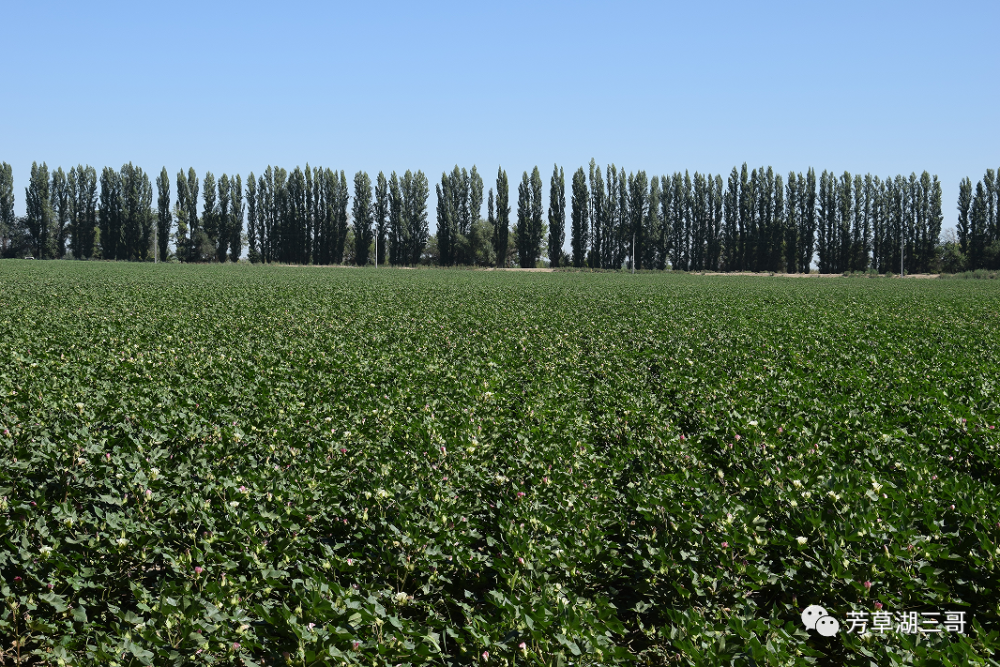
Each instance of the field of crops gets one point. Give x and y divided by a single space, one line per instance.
270 465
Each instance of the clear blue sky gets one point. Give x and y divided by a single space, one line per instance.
880 87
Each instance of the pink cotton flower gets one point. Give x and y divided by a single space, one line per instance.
486 656
868 585
198 569
725 545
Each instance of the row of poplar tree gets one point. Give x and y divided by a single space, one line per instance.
755 221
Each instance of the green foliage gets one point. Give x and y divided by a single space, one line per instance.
557 216
163 217
362 215
6 207
39 217
501 226
605 468
580 218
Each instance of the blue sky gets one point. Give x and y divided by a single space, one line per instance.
880 87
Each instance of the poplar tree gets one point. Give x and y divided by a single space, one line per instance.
652 256
807 219
265 211
85 225
978 219
447 227
380 212
38 210
501 226
415 198
253 250
60 204
236 218
475 195
666 221
341 198
557 215
537 233
398 232
597 216
6 206
638 207
163 218
222 219
136 195
580 218
111 213
522 234
194 229
207 240
362 213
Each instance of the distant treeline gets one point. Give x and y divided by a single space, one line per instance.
754 221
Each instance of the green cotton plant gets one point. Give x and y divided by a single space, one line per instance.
267 466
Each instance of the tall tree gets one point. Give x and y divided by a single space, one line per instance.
501 226
253 232
638 207
362 213
222 220
580 230
537 231
380 212
208 239
448 216
182 211
61 204
236 218
399 249
110 224
6 206
666 221
341 200
194 228
163 217
522 233
792 222
475 195
38 209
557 215
597 212
807 219
85 209
651 258
978 220
416 189
137 214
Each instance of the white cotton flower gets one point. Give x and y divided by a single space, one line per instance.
801 540
797 483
